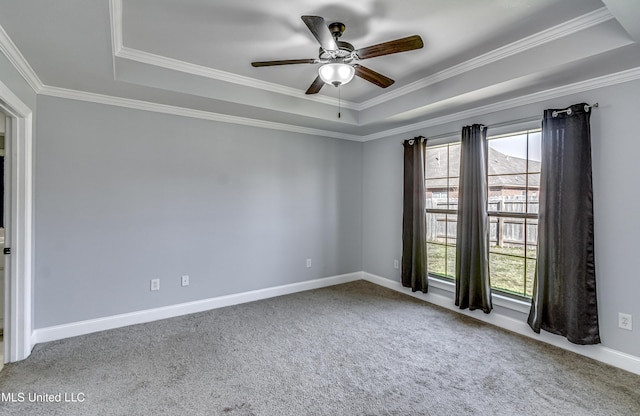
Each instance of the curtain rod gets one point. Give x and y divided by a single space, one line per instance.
587 107
497 125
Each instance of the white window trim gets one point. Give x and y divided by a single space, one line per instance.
503 301
529 124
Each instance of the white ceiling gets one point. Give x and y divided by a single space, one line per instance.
195 55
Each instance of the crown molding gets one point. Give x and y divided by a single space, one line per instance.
548 35
567 28
207 72
187 112
550 94
13 54
558 92
121 51
9 49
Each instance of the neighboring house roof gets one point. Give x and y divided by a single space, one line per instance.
441 160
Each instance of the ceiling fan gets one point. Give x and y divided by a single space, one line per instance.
340 59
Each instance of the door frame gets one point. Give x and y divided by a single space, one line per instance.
18 275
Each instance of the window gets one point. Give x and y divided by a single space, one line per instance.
513 180
442 170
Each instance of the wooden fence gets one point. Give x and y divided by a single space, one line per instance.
503 231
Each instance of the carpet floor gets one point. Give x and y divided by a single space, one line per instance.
352 349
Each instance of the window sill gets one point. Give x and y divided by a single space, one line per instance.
503 301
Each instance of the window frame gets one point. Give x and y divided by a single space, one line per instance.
524 216
503 297
442 211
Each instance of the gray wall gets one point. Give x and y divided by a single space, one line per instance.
616 168
123 196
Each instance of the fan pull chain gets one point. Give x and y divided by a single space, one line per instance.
339 101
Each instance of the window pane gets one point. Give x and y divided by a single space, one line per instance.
436 258
451 229
436 228
454 161
443 165
507 203
513 233
442 193
532 237
533 193
451 261
441 259
507 273
441 240
508 155
531 270
452 222
453 193
494 225
437 193
506 235
506 250
514 181
437 162
534 151
508 184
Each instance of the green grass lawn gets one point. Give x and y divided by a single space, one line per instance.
509 269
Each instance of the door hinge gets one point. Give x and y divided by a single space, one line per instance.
7 250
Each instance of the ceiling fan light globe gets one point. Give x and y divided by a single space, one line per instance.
336 73
345 72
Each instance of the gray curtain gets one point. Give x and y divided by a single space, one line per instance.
473 289
414 222
564 295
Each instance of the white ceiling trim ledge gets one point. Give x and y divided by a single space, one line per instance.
9 49
203 71
558 92
187 112
121 51
115 11
13 54
548 35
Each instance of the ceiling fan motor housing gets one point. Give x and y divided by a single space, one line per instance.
344 51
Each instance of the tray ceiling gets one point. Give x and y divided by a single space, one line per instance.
195 55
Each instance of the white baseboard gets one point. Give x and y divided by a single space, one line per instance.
73 329
597 352
606 355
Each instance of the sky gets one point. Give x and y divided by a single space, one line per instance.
516 146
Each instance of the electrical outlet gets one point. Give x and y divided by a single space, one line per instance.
625 321
396 264
155 284
185 280
308 263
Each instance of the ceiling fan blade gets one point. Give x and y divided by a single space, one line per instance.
372 76
321 32
399 45
315 86
284 62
